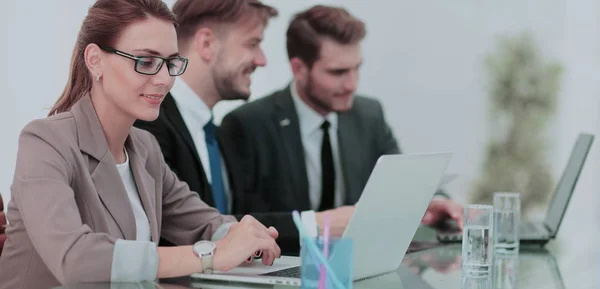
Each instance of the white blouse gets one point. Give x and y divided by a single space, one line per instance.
142 224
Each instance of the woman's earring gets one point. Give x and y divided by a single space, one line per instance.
98 77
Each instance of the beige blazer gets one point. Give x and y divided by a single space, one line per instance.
69 205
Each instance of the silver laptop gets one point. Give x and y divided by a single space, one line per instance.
385 220
531 232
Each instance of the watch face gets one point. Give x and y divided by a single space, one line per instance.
204 247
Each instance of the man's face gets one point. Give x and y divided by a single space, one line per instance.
239 55
329 85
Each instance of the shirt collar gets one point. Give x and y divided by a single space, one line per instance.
190 103
310 120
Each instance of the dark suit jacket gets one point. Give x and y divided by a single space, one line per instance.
180 154
271 154
265 136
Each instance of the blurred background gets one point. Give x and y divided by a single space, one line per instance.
470 77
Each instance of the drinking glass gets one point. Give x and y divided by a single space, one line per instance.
478 241
507 215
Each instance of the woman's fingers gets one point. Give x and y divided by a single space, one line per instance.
266 247
267 258
273 232
271 253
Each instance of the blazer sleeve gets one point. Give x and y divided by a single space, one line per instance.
186 219
386 141
45 201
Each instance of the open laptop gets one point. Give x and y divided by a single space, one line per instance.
384 222
542 232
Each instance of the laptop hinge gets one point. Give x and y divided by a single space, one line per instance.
550 233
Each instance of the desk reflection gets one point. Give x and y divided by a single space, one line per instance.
435 268
142 285
533 267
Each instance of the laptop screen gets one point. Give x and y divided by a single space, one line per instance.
565 187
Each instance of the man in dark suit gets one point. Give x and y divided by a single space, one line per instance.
312 145
222 40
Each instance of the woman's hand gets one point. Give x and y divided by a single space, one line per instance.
242 241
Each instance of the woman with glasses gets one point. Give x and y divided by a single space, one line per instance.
92 195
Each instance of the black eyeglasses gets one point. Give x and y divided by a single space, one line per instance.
151 65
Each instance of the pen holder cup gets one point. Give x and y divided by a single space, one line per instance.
340 259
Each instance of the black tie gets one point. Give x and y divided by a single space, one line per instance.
327 171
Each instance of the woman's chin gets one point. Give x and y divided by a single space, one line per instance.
148 115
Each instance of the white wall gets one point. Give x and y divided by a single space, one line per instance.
423 60
36 49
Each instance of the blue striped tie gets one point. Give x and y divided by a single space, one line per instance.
214 155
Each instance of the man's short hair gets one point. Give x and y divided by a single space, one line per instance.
193 14
307 28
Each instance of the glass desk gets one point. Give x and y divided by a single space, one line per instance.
432 268
571 261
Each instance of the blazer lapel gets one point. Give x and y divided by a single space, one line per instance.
350 157
145 184
287 123
105 175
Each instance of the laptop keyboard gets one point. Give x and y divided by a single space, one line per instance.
528 227
293 272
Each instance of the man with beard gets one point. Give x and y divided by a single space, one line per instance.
312 146
222 41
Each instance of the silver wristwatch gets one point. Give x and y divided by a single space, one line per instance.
205 250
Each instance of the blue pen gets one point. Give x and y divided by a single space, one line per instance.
315 251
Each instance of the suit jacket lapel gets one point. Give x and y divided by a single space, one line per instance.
174 116
103 168
350 157
287 123
145 184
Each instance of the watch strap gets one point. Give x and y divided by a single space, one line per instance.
207 263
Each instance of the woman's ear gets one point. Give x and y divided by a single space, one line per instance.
93 60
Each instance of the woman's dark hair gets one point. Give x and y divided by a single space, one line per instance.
105 21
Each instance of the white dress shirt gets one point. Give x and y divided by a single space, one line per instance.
142 225
312 139
196 115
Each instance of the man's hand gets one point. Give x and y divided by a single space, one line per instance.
339 219
441 209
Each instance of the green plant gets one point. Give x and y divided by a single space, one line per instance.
523 91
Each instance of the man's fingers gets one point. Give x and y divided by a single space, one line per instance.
457 214
428 218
